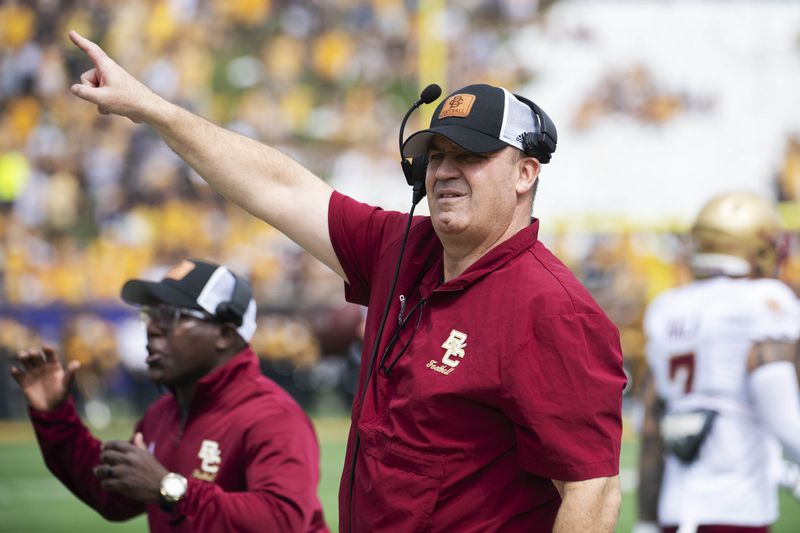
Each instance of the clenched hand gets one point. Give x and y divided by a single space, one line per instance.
130 469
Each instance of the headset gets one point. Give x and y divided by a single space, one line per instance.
414 172
234 309
541 144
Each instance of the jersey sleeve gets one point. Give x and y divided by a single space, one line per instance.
359 234
775 313
564 396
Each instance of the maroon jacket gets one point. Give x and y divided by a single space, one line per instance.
248 450
498 381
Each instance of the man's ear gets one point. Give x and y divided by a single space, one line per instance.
228 337
528 174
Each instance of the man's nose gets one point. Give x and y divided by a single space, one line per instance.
447 168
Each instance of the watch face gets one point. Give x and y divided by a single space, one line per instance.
173 486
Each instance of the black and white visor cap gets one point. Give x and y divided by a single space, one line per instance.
193 284
478 118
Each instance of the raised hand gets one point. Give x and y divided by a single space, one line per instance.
130 469
43 379
110 87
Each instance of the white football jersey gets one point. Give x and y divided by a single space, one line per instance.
698 340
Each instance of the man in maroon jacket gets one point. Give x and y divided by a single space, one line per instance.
494 401
227 450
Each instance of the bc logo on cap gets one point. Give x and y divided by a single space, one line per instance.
179 272
458 105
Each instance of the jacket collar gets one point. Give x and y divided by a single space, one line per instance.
217 385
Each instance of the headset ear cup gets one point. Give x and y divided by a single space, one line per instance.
408 170
234 309
536 146
541 145
226 313
419 167
223 311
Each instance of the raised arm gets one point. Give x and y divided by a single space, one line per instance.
69 450
260 179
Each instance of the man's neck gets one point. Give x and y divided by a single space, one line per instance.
185 393
455 264
458 257
184 396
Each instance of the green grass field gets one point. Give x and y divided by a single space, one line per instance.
31 500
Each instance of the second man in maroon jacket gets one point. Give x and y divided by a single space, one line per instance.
227 450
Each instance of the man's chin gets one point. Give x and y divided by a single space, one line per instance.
446 224
157 376
448 217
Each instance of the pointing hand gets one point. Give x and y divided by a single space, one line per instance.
110 87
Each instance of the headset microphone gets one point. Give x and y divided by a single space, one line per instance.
430 93
414 170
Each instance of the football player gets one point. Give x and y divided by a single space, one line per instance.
723 393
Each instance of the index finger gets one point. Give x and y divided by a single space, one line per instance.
112 457
91 48
49 353
30 358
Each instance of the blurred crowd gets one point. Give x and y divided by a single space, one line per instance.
88 201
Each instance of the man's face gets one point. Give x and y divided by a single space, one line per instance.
181 348
472 197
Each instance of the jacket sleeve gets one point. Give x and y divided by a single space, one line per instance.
282 474
71 453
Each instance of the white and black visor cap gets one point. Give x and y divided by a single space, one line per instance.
479 118
199 285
